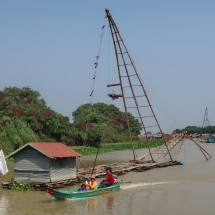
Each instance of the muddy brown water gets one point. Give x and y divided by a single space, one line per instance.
178 190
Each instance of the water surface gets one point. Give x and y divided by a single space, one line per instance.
177 190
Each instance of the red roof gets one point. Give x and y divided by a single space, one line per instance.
51 150
55 150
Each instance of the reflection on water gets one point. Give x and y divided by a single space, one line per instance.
110 201
3 204
176 190
91 205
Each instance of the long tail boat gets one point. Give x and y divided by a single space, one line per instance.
74 194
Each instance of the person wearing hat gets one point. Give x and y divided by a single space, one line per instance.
110 180
93 184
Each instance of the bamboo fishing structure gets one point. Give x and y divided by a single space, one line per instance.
130 85
134 96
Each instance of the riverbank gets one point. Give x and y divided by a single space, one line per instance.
111 147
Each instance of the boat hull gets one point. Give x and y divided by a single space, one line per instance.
74 194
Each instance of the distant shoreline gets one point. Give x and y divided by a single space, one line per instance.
111 147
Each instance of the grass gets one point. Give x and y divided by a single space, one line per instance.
110 147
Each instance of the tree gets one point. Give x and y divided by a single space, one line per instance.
15 133
90 119
25 117
196 130
23 110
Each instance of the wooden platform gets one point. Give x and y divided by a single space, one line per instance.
122 168
99 172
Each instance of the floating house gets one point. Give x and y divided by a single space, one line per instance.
44 162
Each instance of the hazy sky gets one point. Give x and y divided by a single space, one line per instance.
51 46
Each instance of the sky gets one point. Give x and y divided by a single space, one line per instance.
50 46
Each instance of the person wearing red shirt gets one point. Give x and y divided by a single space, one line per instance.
110 180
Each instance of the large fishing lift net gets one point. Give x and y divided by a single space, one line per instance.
131 90
134 96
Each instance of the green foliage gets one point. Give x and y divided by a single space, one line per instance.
20 185
14 133
76 136
110 147
103 123
25 117
81 112
26 104
85 150
94 135
196 130
56 126
209 129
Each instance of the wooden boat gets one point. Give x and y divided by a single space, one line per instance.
74 194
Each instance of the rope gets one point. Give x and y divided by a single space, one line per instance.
94 75
97 63
109 58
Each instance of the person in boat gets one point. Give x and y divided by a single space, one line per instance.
110 180
93 184
115 179
82 188
88 181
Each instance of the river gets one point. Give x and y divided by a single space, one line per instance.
188 189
